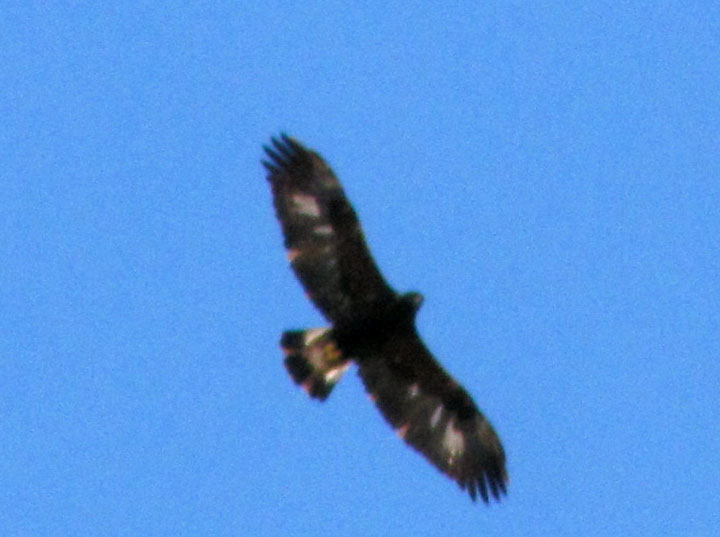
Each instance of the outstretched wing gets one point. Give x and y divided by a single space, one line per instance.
435 415
325 244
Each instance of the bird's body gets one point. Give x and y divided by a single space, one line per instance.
373 326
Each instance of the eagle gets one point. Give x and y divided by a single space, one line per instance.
371 325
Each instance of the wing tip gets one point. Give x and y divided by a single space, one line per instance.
269 166
496 483
489 484
283 152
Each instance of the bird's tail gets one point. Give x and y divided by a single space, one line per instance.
313 360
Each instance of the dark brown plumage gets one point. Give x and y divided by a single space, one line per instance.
373 326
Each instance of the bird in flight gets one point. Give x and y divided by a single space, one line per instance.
371 325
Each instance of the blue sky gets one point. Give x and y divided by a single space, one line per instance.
547 176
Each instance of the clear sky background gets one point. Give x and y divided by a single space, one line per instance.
547 175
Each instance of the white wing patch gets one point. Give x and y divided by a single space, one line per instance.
436 415
323 230
334 374
453 441
313 333
306 205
